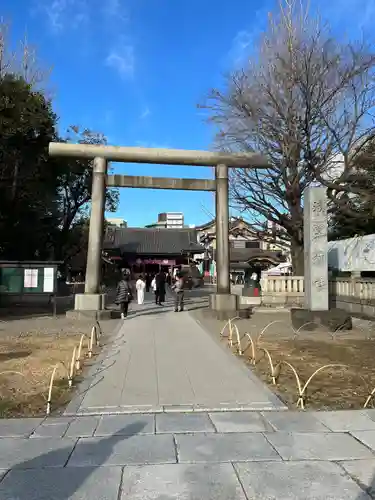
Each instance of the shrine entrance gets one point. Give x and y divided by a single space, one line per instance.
92 303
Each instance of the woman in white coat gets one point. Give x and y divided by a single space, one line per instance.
140 286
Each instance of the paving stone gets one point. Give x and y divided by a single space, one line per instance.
296 481
346 420
366 437
293 421
317 446
52 430
363 471
141 409
182 482
80 483
123 425
34 453
240 422
121 450
82 427
175 423
178 408
57 420
18 427
224 448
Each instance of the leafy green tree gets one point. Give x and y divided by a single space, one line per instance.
75 181
353 213
29 182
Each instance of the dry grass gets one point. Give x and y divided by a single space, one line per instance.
332 388
33 356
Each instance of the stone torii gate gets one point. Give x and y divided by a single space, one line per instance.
92 302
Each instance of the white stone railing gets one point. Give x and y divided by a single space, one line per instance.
282 284
362 288
356 295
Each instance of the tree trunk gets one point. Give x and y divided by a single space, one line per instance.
297 258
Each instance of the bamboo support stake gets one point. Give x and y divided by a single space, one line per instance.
49 400
296 332
238 340
79 353
96 336
273 368
253 348
267 326
93 330
71 368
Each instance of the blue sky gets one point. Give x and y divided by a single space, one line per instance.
136 69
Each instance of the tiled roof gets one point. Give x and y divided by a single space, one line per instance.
233 223
147 241
245 254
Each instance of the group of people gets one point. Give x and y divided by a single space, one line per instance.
158 284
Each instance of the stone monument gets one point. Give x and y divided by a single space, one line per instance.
315 249
316 311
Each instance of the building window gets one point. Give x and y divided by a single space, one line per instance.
252 244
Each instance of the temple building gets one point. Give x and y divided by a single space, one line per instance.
149 249
246 250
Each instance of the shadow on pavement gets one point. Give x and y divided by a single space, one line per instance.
18 486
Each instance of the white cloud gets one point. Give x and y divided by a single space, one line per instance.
348 14
122 59
62 15
145 113
247 38
115 10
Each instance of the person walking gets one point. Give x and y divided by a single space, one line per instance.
140 286
154 289
148 282
124 295
178 287
160 288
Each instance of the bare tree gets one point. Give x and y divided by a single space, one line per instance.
305 100
22 61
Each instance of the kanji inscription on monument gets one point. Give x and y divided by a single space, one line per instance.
315 248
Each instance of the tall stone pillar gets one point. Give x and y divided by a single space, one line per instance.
222 230
223 302
316 249
94 252
92 302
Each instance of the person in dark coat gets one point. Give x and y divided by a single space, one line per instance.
124 295
148 282
160 288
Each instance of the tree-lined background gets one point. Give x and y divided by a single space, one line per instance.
304 98
44 202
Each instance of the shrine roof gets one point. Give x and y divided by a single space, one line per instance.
152 241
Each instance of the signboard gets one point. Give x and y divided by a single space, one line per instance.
30 278
48 279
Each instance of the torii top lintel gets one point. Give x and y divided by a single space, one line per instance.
158 155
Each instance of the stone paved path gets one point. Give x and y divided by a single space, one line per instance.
164 361
190 456
158 424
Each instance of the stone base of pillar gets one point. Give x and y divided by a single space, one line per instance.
224 302
89 315
89 306
226 306
332 320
